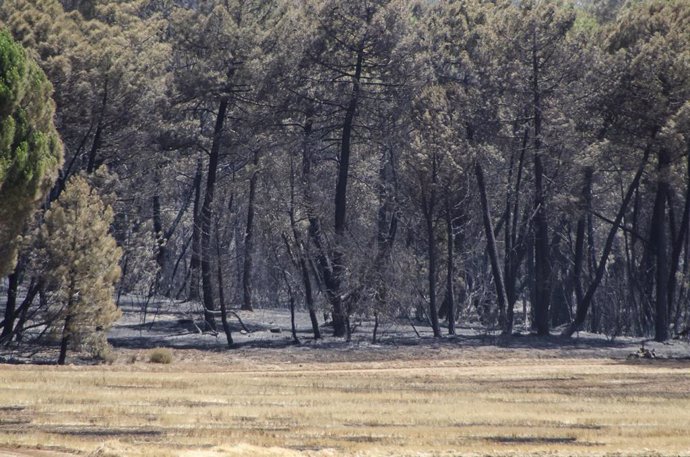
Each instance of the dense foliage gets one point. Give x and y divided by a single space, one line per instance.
78 261
30 149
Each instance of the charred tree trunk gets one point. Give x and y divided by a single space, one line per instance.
10 307
221 291
659 243
541 249
387 223
66 332
334 281
514 245
249 240
432 261
195 261
302 252
506 326
429 204
22 312
583 306
450 268
158 230
207 215
97 138
679 241
580 233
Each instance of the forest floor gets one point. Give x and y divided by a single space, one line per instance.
473 394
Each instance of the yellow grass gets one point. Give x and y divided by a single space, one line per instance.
460 405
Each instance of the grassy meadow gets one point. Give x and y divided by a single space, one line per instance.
456 406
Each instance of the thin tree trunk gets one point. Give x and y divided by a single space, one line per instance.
386 231
583 306
23 311
249 240
10 306
506 325
97 138
66 332
195 261
291 295
429 204
450 269
301 250
158 230
207 215
542 268
431 258
334 283
221 292
679 241
580 234
325 266
659 242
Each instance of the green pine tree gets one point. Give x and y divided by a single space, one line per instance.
80 264
30 148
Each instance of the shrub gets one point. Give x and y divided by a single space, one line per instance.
161 355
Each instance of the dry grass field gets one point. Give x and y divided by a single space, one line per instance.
460 402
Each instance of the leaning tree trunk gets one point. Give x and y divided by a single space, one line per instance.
10 306
583 306
302 251
207 215
493 252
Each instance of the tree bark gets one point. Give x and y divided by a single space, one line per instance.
431 258
302 252
249 240
514 245
334 282
195 261
429 204
10 306
507 327
207 215
679 241
450 268
580 233
22 312
387 223
583 306
659 242
158 230
221 292
542 268
66 332
97 138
